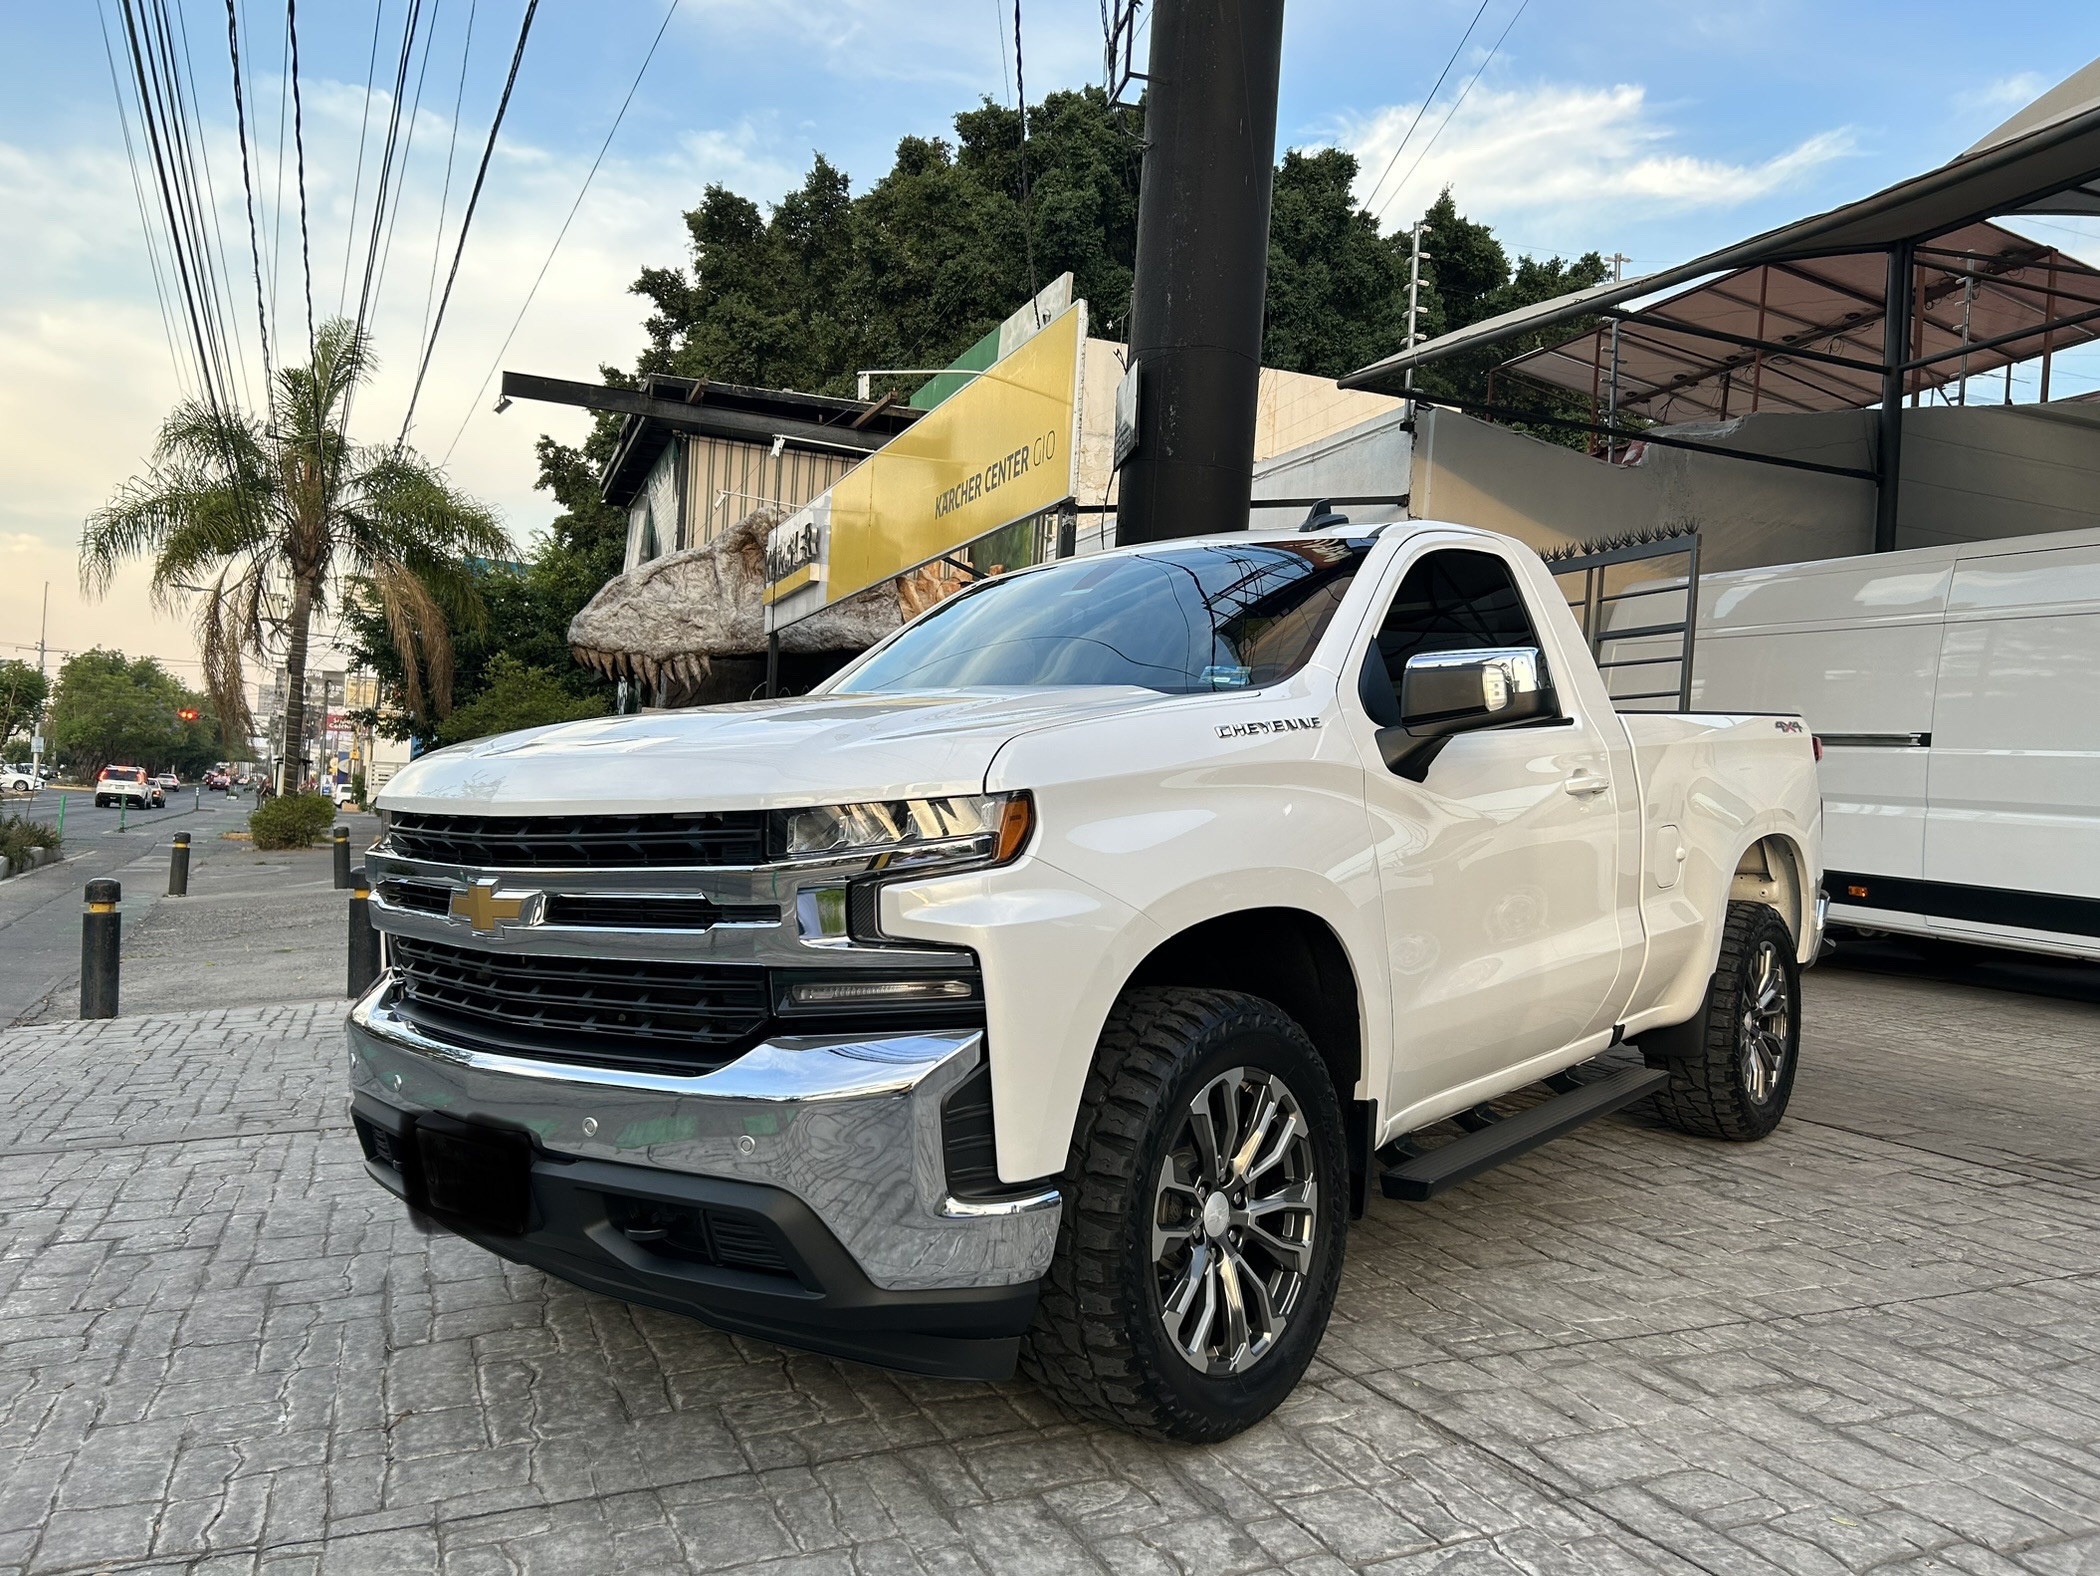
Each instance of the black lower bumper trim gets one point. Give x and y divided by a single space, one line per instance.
819 1299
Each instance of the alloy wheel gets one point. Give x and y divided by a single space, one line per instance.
1235 1212
1766 1025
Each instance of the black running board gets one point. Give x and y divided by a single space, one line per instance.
1462 1159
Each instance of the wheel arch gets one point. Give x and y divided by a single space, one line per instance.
1289 956
1773 869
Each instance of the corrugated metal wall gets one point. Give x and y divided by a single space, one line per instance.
726 480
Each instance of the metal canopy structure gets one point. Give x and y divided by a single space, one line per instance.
1917 236
1807 336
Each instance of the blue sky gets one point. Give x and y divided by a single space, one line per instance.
1658 130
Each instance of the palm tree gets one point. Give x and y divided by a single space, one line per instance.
243 518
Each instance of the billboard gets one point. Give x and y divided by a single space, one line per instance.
1000 450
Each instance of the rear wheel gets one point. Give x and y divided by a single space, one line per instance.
1202 1240
1732 1066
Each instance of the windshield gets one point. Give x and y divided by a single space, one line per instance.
1174 619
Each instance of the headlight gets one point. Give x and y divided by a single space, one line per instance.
909 834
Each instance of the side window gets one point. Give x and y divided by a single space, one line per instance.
1454 599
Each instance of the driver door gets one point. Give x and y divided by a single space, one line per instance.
1499 871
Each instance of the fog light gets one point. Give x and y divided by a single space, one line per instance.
857 993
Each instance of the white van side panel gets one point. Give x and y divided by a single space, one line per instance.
1852 646
2015 781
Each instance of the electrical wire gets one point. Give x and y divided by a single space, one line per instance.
357 182
466 222
1453 110
1027 196
219 271
306 251
437 242
1428 99
240 118
138 191
474 404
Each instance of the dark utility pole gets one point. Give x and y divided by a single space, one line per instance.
1895 350
1202 266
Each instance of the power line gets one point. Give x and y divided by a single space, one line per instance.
214 246
1427 100
357 183
306 252
1027 197
240 117
466 222
138 192
437 242
1453 110
474 404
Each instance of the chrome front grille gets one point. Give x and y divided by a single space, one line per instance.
581 842
657 1015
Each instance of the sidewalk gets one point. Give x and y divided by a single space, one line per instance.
255 928
1870 1343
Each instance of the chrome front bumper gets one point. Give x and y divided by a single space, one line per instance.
850 1126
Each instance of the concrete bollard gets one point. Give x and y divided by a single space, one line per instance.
364 940
342 857
179 866
101 943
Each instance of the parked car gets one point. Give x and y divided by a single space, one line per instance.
19 779
1962 776
1057 981
127 785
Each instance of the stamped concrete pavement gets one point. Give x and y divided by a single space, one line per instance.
1871 1343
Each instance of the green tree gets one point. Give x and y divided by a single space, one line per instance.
23 692
242 515
1468 279
1337 295
110 708
517 696
528 605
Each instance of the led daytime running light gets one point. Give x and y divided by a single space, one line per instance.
849 993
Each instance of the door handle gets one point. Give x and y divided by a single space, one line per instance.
1583 784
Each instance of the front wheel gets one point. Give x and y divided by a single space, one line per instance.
1201 1244
1732 1066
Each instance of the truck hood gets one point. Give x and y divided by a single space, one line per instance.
755 755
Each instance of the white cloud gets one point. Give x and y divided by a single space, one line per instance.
2003 95
89 376
1561 154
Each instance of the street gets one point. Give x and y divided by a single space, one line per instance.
239 935
1871 1342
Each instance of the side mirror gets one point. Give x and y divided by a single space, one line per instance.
1446 693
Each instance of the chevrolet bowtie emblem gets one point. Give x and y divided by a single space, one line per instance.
479 906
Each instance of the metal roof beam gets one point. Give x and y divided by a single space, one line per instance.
676 414
1483 408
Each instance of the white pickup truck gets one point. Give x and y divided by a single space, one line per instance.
1055 984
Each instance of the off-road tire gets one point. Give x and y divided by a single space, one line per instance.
1709 1093
1099 1344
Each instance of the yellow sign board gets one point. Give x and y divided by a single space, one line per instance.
1001 449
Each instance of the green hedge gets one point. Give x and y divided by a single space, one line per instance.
19 834
292 820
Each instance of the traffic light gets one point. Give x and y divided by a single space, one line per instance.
187 713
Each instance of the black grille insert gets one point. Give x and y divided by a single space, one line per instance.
660 1016
422 897
656 913
720 1238
581 842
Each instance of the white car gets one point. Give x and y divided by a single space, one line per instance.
121 786
1056 983
18 779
